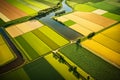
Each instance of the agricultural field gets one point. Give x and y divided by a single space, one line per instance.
6 53
6 12
90 63
77 21
25 33
37 42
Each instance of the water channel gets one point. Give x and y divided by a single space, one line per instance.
58 27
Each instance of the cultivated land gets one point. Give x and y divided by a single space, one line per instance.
22 7
93 65
41 70
10 11
6 54
97 57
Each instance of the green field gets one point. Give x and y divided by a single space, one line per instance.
39 5
28 50
112 16
93 65
22 7
106 6
84 8
1 22
45 39
18 74
39 46
59 40
69 23
41 70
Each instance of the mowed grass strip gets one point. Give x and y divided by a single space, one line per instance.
41 70
69 23
59 40
6 54
29 51
39 46
112 16
107 42
84 8
113 32
90 63
21 6
18 74
45 39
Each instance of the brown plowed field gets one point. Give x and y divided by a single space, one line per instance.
10 11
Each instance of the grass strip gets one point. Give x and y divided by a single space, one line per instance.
84 8
42 70
29 50
59 40
39 46
19 74
112 16
69 23
45 39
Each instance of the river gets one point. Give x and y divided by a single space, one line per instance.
63 30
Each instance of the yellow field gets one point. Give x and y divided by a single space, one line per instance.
107 42
81 29
5 53
113 32
63 69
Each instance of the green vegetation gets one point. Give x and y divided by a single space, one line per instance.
112 16
59 40
1 22
69 23
84 7
41 70
40 5
45 39
29 51
90 63
39 46
19 74
106 6
22 7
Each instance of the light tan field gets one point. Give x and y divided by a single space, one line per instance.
10 11
103 52
85 23
3 17
14 31
81 29
22 28
95 18
99 11
62 19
